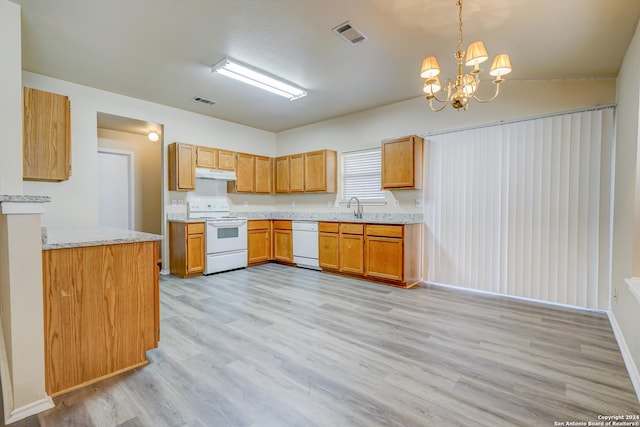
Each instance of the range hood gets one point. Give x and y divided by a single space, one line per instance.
204 173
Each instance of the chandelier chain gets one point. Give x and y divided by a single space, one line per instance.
459 3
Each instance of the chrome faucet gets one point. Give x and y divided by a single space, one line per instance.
357 213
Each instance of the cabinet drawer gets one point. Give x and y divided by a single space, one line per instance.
329 227
352 228
258 224
385 230
282 224
195 228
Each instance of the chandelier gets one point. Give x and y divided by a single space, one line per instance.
461 90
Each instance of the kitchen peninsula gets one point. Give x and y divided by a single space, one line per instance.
101 304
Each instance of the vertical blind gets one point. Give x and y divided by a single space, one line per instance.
361 175
522 208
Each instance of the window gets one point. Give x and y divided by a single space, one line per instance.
361 175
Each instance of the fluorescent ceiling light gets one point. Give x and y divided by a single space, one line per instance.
259 79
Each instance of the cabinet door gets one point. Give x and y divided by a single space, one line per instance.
263 175
385 258
314 171
195 253
226 160
328 250
259 244
282 174
402 163
182 164
352 253
46 141
283 245
245 173
296 173
206 157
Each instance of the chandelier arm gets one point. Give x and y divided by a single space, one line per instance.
495 95
435 110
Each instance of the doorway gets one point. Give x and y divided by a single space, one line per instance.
116 188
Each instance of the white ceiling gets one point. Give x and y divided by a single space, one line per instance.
162 50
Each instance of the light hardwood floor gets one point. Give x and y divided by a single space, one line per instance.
280 346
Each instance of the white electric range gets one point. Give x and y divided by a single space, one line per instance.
225 235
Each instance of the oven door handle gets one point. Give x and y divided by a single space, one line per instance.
227 224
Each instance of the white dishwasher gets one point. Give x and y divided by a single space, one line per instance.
305 244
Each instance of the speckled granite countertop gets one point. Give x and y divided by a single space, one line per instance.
23 198
368 218
181 217
59 238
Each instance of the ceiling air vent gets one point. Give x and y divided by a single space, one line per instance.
349 33
204 100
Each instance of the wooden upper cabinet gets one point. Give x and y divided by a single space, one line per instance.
182 167
402 163
263 175
245 173
282 174
296 173
46 136
320 173
206 157
226 160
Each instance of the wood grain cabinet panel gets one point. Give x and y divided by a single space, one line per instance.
402 163
186 249
100 312
245 173
182 167
352 248
259 241
206 157
282 241
263 174
385 258
226 160
281 174
296 173
329 250
46 141
320 172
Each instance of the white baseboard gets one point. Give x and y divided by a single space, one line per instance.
30 409
11 414
632 369
515 297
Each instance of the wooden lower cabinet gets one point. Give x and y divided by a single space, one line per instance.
283 241
186 248
352 248
328 245
101 312
259 241
394 253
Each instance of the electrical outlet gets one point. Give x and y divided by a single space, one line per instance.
419 203
329 204
396 203
293 204
246 203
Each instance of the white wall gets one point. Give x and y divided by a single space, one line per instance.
518 99
11 99
626 308
74 202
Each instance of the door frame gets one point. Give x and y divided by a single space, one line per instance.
132 181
